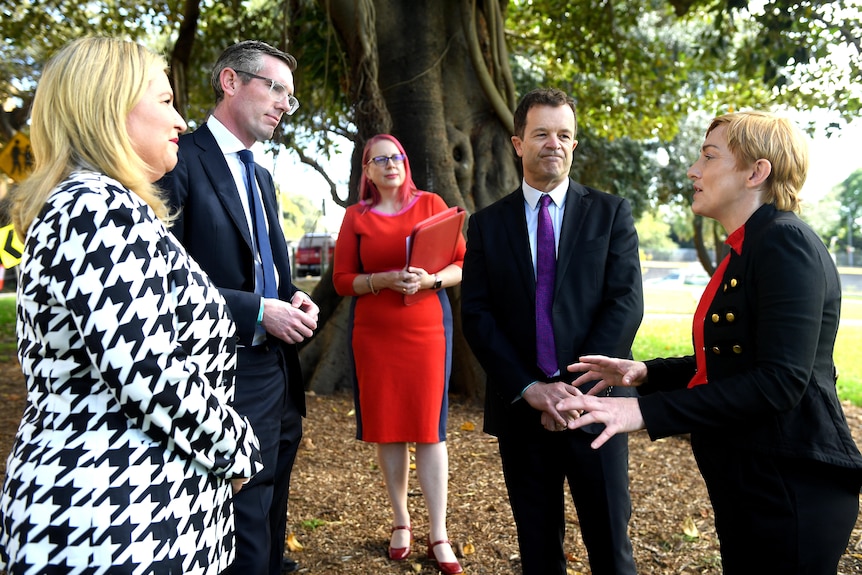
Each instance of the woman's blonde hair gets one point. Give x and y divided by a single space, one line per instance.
78 120
760 135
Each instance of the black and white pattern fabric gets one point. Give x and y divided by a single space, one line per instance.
122 460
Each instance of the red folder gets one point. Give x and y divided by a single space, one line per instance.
432 245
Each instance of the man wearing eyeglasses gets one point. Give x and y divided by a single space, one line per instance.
228 221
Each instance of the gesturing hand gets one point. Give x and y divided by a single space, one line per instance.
618 414
609 371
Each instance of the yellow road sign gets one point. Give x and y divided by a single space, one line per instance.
11 247
16 158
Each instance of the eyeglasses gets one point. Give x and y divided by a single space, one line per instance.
383 161
277 91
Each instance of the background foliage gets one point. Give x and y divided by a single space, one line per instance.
639 69
445 75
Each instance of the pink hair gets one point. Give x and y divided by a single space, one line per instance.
368 192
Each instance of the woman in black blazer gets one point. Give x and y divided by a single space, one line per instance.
758 396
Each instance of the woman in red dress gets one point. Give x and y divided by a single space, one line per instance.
401 353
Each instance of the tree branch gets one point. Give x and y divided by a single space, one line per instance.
491 92
333 188
181 55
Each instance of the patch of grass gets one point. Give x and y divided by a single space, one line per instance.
312 524
663 336
847 345
8 340
681 300
666 332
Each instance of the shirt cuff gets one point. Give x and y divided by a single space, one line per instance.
523 391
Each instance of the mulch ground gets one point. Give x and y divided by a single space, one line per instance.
339 512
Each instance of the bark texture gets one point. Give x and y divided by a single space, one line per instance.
435 74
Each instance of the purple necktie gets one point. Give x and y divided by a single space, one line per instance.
546 272
261 237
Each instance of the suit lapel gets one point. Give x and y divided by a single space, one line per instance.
514 230
577 207
221 180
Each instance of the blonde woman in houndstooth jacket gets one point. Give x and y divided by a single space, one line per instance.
128 452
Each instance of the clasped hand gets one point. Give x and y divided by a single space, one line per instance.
545 397
292 321
405 281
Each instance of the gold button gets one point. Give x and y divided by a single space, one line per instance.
737 349
730 317
734 282
716 350
715 318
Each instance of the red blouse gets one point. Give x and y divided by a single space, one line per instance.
734 240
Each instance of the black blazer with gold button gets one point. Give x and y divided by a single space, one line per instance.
768 336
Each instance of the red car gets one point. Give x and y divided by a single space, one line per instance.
314 253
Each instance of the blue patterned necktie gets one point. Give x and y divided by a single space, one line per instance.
261 237
546 272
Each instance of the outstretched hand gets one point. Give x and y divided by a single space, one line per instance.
618 414
608 372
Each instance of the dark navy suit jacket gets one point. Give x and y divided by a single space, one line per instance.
213 228
598 295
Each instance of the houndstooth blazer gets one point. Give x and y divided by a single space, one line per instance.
122 460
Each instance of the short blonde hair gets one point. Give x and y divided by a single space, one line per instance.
761 135
78 120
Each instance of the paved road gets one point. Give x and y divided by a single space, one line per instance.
851 278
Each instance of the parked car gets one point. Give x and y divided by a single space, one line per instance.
314 253
689 277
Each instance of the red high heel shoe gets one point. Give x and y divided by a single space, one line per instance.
447 568
400 553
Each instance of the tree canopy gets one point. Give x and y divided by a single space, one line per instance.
838 219
444 76
637 69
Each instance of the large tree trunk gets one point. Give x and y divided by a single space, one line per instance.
413 77
182 54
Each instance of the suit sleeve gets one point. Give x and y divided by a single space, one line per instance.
620 308
497 354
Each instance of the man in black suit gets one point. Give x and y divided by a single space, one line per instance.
246 256
596 303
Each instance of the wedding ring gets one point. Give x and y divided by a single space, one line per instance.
404 290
